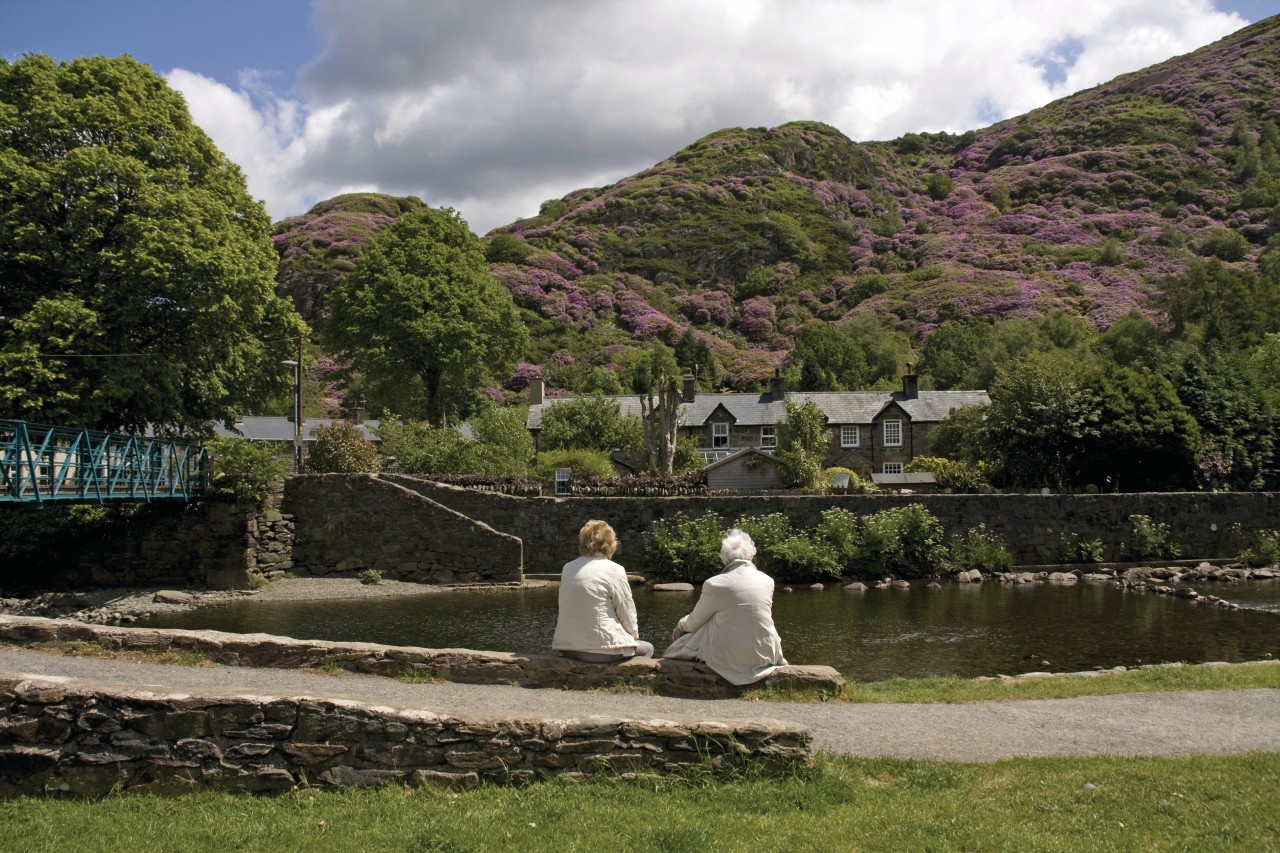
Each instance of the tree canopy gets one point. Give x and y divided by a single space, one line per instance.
425 322
138 272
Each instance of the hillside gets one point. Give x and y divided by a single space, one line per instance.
1087 204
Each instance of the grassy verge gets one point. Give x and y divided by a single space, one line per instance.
1196 803
80 648
949 689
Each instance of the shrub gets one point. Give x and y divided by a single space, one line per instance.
980 549
799 558
769 532
904 541
939 185
1264 550
1111 254
341 448
1073 549
957 475
1226 245
857 485
370 576
685 548
1149 539
581 463
242 470
840 532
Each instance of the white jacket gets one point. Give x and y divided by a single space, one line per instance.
731 627
597 612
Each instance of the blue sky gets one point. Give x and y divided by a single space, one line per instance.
492 106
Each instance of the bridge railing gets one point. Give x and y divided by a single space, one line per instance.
40 463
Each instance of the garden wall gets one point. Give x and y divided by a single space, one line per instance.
1204 524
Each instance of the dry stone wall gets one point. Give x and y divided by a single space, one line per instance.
1204 524
80 739
347 523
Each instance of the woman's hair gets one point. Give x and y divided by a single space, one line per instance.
737 545
597 537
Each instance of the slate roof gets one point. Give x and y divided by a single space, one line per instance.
840 407
261 428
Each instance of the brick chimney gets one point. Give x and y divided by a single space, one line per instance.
910 383
536 390
690 388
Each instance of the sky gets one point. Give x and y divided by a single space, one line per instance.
494 106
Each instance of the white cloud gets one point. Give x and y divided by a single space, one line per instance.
492 107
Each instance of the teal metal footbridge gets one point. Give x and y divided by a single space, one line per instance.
41 464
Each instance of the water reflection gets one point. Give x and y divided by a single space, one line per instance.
961 629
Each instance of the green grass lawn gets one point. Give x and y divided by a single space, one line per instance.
1196 803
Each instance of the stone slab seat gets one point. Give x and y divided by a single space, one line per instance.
670 677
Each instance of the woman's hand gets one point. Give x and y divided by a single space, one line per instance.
676 633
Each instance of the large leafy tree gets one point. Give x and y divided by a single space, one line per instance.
136 271
829 360
425 322
1146 440
1041 423
589 422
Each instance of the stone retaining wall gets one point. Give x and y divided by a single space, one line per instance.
669 677
1204 524
67 737
346 523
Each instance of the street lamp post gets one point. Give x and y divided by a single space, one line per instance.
297 408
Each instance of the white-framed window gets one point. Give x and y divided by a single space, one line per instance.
719 435
891 468
849 435
562 481
768 437
893 434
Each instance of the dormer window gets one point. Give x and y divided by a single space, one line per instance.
719 435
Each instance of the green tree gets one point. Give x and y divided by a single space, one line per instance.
802 444
423 318
1146 440
1235 307
504 445
1041 423
589 422
138 272
693 354
1233 417
959 355
829 359
885 350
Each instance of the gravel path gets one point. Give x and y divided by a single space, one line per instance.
1225 721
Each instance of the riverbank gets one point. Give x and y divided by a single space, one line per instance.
126 605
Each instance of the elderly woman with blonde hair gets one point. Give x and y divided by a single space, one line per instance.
731 627
597 618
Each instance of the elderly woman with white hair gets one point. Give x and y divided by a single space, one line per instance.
731 627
